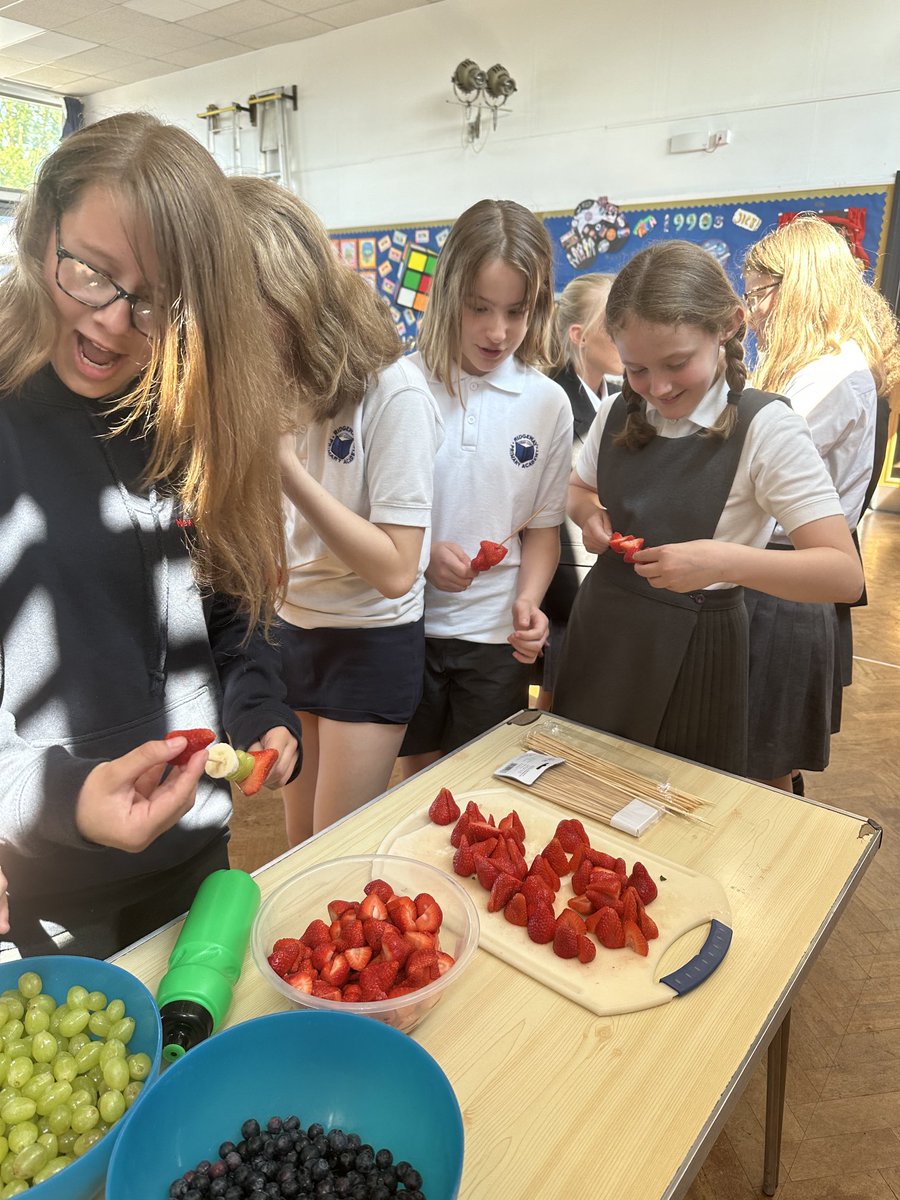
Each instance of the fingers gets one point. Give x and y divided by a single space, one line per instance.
281 739
148 757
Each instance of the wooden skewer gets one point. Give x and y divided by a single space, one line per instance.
519 528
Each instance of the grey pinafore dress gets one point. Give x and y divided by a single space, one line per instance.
664 668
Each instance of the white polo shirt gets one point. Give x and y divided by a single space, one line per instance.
837 396
507 452
780 473
377 458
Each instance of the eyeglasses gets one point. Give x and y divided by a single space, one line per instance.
753 297
94 288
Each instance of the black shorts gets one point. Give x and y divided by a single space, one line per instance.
365 675
469 687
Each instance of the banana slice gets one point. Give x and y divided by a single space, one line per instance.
222 761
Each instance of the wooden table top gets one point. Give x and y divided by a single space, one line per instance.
557 1101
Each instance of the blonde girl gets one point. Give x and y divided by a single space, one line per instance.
503 465
138 432
358 473
828 341
584 358
696 465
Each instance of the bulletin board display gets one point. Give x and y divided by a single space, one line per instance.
598 235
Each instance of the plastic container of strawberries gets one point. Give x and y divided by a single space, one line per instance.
288 911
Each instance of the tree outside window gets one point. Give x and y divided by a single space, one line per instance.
29 131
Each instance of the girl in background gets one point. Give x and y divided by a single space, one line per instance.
140 535
584 355
358 473
503 465
697 466
828 341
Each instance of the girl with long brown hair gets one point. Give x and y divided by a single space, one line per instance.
697 465
140 534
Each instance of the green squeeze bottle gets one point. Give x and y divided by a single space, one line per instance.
205 964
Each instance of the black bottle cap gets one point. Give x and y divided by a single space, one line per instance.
184 1024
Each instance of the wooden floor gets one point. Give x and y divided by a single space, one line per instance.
842 1119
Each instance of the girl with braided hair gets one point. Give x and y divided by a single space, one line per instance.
698 466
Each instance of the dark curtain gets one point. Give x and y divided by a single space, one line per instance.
74 115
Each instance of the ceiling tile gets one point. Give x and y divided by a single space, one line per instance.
51 14
51 76
235 18
9 66
90 84
95 62
209 5
47 47
165 10
207 52
356 11
298 6
12 32
295 29
167 36
112 23
148 68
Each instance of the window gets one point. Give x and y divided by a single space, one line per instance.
29 130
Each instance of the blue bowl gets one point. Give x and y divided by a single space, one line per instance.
83 1180
333 1069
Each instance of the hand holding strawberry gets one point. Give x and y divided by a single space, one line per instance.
488 556
626 545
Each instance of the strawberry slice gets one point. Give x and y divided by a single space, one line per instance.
516 911
587 951
464 859
428 913
541 923
373 907
634 938
358 957
648 925
197 739
444 810
643 884
487 872
317 934
263 762
489 554
626 545
380 888
282 960
503 889
609 930
565 940
556 857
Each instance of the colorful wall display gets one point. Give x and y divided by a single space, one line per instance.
600 235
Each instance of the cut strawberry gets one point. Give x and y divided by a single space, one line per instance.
322 955
422 967
352 934
541 923
516 911
445 962
625 544
459 829
282 960
325 991
535 890
488 556
428 913
587 951
609 930
417 940
394 947
302 980
358 957
504 888
643 884
556 857
464 859
401 911
263 762
630 902
373 908
634 938
543 870
337 908
351 993
486 848
380 888
487 872
374 929
336 972
316 934
444 810
582 905
648 925
582 878
197 739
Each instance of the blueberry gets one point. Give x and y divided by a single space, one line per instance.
314 1131
234 1193
250 1128
292 1124
354 1141
365 1158
232 1160
319 1169
383 1159
274 1124
412 1179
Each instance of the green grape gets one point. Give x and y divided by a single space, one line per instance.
100 1024
112 1106
6 1170
88 1057
58 1093
15 1111
113 1048
87 1141
14 1004
67 1141
76 1042
36 1086
4 1065
139 1065
65 1068
85 1117
30 984
4 1013
60 1119
31 1160
15 1187
12 1031
84 1094
132 1091
77 997
53 1167
36 1021
43 1003
123 1030
7 1093
116 1010
95 1075
21 1136
17 1049
4 1148
96 1001
74 1022
20 1071
51 1141
116 1073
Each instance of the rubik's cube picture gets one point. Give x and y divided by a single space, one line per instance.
416 277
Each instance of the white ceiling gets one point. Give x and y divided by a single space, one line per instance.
82 46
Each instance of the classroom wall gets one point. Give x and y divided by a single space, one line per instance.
808 89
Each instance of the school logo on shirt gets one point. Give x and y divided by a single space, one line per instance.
342 447
524 450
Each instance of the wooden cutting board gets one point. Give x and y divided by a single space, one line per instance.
617 981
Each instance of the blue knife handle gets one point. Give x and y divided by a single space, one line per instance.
702 965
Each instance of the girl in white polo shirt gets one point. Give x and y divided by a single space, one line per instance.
828 341
697 466
503 465
358 475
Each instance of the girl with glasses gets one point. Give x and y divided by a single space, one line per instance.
140 535
828 342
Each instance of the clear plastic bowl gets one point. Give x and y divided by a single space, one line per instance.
290 908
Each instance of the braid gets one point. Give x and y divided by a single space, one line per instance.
736 378
638 431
